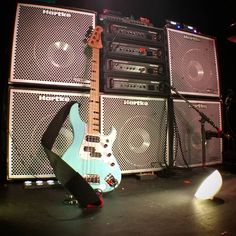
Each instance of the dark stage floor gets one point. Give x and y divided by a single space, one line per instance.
161 206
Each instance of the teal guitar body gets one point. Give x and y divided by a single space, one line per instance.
91 155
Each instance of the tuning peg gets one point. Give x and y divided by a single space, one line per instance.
87 34
89 31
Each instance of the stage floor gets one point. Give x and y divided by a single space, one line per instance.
163 206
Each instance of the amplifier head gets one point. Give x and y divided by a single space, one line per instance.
193 63
30 112
141 142
134 51
48 46
131 33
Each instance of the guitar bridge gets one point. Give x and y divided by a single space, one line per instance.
92 178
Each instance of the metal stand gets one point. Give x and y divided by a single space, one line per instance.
203 134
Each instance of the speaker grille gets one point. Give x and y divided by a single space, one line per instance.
193 63
189 127
30 112
141 125
48 48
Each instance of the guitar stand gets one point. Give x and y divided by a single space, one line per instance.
70 200
146 176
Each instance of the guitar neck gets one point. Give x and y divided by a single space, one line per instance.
94 108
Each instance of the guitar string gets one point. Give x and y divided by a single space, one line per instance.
95 99
90 167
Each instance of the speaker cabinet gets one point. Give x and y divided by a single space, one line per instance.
48 47
193 63
30 112
189 128
141 125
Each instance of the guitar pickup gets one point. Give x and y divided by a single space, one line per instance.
89 149
92 151
95 154
93 139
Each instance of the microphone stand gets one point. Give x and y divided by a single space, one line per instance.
203 119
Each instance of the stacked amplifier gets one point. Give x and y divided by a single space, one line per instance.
134 92
139 65
50 69
134 57
194 74
50 66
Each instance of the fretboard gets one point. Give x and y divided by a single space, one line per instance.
94 108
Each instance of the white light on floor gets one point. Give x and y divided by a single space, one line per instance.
210 186
50 182
28 183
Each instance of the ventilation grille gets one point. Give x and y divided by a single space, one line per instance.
30 113
141 125
49 49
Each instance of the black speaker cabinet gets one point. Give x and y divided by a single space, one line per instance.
141 125
193 63
189 128
30 112
48 47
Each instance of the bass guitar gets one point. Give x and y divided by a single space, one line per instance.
90 153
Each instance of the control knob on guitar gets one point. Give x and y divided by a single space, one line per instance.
90 153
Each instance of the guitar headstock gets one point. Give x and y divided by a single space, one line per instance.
94 37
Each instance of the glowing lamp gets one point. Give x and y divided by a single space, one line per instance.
210 186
